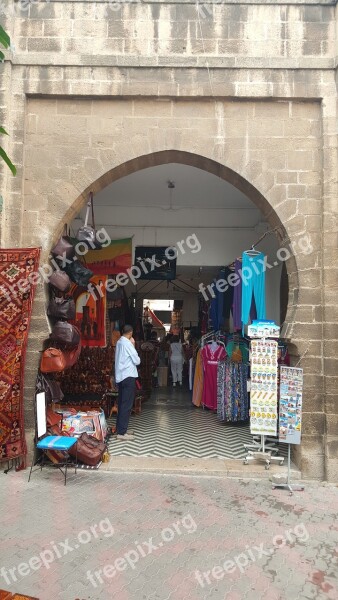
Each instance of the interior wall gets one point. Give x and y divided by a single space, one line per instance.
208 220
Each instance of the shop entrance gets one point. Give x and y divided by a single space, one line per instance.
209 223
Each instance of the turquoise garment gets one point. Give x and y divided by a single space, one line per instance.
253 282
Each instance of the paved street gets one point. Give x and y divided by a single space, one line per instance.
143 536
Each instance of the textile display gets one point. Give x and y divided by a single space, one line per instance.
232 393
253 285
211 355
198 381
91 311
237 299
17 266
112 259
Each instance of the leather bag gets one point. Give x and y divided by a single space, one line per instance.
71 356
60 280
65 333
89 450
52 361
79 273
61 308
64 247
52 389
87 233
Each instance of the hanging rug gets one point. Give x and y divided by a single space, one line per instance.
16 299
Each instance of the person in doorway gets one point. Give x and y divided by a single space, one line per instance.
176 360
126 360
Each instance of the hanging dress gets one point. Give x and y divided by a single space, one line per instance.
198 381
211 355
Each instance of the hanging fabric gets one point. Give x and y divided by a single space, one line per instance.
253 284
198 381
232 393
211 355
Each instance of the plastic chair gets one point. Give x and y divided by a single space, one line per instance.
50 442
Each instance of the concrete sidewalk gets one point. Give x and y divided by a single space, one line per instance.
144 536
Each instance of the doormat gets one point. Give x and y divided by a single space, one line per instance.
17 285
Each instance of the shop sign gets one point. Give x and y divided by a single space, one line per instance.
263 329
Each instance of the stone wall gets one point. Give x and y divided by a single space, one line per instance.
247 91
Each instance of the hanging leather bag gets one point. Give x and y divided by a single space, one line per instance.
52 361
61 308
60 280
65 333
87 233
72 356
64 246
79 273
52 389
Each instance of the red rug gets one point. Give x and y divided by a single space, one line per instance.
17 285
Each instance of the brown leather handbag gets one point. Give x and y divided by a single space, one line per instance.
60 280
52 361
89 450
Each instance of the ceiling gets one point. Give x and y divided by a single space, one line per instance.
193 188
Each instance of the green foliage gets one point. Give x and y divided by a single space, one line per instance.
5 42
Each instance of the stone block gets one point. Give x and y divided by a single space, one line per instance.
331 404
71 106
44 44
331 449
331 384
310 277
313 466
331 313
312 444
331 471
300 160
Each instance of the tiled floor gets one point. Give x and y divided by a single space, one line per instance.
170 426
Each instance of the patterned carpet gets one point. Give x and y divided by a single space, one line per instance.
17 268
169 426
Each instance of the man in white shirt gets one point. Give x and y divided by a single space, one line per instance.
126 359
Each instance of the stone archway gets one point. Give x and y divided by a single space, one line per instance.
265 174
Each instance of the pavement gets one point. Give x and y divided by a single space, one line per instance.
157 536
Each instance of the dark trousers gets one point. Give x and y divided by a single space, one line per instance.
125 403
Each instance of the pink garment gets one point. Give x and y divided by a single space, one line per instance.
211 355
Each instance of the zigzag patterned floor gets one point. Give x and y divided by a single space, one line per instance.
169 426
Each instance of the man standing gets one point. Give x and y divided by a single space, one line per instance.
126 359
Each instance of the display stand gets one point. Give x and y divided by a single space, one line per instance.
270 444
262 454
263 420
287 485
290 416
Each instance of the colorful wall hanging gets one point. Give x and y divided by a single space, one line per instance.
17 269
